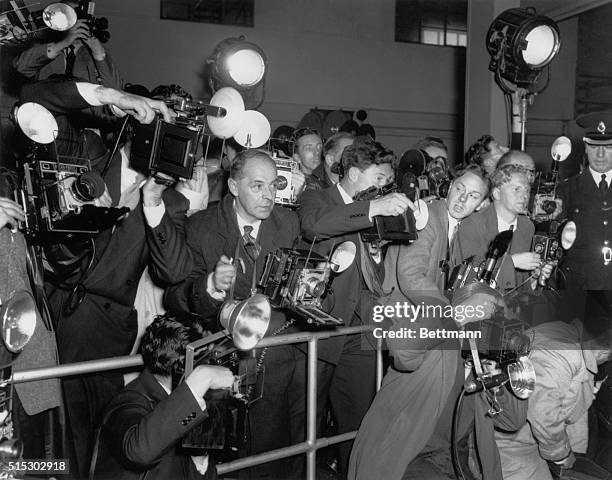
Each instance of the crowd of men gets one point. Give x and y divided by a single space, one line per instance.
188 246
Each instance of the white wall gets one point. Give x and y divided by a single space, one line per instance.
321 53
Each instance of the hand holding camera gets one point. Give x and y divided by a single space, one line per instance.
526 260
11 213
224 274
205 377
390 205
97 50
483 304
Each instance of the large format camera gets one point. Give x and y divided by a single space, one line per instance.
298 280
400 228
171 148
98 27
56 198
224 428
285 191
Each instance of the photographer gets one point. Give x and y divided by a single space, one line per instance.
94 283
565 357
326 174
510 189
75 53
146 421
485 152
346 370
406 434
229 244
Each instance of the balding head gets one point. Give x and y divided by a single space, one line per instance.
517 157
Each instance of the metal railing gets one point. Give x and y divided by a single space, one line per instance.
309 446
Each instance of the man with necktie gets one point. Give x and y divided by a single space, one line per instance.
225 252
587 201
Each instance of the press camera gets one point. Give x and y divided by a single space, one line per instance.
172 148
285 190
224 428
56 199
400 228
98 26
297 280
546 206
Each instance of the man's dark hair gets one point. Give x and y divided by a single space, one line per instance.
331 144
477 170
164 342
365 152
478 149
244 156
302 132
430 141
165 92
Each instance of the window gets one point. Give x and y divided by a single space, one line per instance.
433 22
226 12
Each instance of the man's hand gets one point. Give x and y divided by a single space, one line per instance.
390 205
224 275
96 47
195 189
104 200
10 213
526 260
204 377
142 108
298 180
198 181
153 190
79 31
483 305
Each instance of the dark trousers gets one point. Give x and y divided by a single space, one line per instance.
350 386
86 398
276 420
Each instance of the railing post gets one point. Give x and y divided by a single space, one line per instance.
311 411
379 364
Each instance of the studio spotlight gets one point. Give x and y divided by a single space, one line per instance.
521 43
238 64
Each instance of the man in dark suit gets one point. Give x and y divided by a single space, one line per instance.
92 300
587 201
145 423
510 189
227 247
346 370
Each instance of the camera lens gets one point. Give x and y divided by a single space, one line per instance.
281 182
315 287
101 23
549 206
102 35
88 186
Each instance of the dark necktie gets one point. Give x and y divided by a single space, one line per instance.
603 185
70 58
253 249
